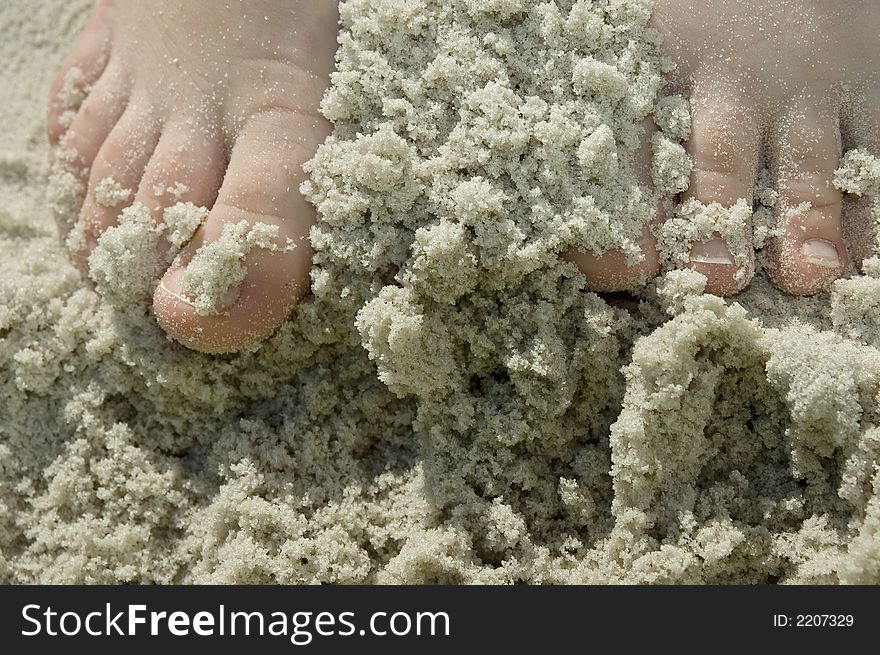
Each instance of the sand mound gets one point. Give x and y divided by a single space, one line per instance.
449 405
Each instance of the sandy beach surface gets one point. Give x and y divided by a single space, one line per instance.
448 405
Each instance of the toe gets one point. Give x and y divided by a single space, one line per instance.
724 147
186 167
860 229
82 68
116 173
613 271
261 185
77 148
809 253
861 129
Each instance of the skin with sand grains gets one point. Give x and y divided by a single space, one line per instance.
787 85
806 98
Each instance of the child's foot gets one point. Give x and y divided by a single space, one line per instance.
799 79
210 102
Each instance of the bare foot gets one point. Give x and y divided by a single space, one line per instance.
794 81
216 104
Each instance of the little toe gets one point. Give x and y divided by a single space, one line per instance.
261 186
809 253
77 148
724 147
117 169
83 67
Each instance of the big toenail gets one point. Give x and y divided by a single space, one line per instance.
172 284
820 252
713 251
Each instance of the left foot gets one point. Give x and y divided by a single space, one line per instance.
210 103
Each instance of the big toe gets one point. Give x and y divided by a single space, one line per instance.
248 265
613 271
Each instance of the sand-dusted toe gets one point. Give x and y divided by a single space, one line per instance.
611 271
810 253
117 170
724 147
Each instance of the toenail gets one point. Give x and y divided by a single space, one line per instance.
820 252
714 251
172 285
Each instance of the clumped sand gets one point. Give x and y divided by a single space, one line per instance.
449 405
218 267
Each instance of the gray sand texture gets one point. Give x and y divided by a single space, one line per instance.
449 405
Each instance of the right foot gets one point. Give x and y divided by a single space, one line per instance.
218 101
772 71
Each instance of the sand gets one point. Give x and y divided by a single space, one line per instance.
449 404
